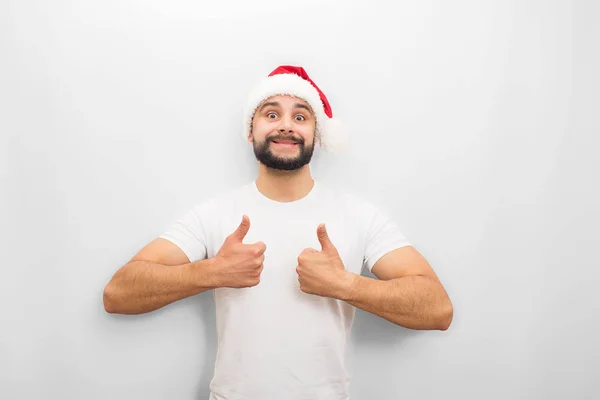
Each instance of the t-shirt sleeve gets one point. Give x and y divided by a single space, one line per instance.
382 236
188 233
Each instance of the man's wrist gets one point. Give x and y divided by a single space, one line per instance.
204 273
348 283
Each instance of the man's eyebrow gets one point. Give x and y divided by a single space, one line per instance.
300 105
269 104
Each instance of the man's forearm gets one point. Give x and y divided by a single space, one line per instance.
143 286
414 302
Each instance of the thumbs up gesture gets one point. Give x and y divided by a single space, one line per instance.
323 272
237 264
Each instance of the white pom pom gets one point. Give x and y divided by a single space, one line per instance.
334 138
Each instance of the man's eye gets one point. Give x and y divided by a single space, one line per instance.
300 117
271 115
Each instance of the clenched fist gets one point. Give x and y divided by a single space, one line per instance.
236 264
323 272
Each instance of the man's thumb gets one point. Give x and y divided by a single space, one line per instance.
243 229
323 236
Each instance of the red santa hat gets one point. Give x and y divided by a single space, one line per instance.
294 81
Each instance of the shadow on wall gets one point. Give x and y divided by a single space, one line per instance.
204 306
205 303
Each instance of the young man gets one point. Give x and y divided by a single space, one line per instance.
283 256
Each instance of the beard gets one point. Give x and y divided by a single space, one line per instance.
263 153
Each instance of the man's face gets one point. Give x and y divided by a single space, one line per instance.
283 133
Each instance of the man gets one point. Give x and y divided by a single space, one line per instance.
284 255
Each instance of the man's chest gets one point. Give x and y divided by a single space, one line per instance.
287 235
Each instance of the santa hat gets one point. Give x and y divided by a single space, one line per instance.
294 81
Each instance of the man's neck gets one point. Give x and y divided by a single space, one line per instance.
284 186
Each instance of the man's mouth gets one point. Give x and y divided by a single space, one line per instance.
285 142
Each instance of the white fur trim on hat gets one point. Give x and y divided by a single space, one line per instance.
331 135
335 139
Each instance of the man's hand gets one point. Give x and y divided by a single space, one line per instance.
323 272
237 264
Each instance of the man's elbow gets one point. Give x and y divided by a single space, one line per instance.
108 298
445 317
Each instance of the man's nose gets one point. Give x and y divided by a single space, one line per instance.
286 125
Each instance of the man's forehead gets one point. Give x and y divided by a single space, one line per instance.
280 100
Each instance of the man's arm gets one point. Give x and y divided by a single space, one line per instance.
408 292
158 275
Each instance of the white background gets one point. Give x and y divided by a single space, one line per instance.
474 123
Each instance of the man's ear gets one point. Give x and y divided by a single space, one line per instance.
250 136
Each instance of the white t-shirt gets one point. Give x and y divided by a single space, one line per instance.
275 341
